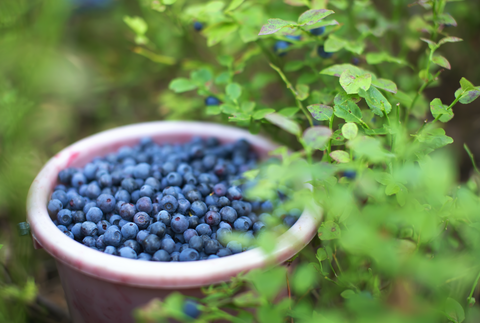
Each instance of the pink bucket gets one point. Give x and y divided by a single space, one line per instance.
103 288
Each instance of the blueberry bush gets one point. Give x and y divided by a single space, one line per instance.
399 237
361 95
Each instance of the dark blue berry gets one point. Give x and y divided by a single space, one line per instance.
161 255
127 211
213 218
258 226
61 196
198 208
164 217
211 100
144 204
89 241
235 247
77 231
94 214
141 236
228 214
196 243
64 217
111 250
280 47
106 203
144 256
152 243
224 252
197 26
351 174
158 228
113 236
322 53
102 226
169 203
78 179
134 245
317 31
168 245
241 225
129 230
142 220
142 171
127 252
54 206
179 223
189 254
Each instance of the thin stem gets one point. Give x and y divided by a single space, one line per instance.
305 111
329 146
471 158
474 285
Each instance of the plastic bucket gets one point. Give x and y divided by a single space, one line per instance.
103 288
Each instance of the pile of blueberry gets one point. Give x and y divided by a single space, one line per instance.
172 202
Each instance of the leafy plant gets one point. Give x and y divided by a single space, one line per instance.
400 238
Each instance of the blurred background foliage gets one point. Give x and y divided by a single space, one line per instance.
71 68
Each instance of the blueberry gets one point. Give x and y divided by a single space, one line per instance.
146 190
93 190
105 180
94 214
212 257
142 234
111 250
65 175
242 208
189 254
228 214
144 204
196 243
241 225
61 196
179 223
151 243
89 228
174 179
100 243
127 211
267 207
211 246
322 53
224 252
175 256
102 226
78 179
190 308
135 196
134 245
113 236
169 203
64 217
60 187
213 218
235 247
209 161
223 201
198 208
129 230
183 206
129 185
158 228
351 174
203 229
127 252
317 31
280 47
164 217
188 234
355 61
77 231
225 225
211 100
142 171
197 26
144 256
234 193
289 221
168 245
258 226
89 241
76 203
106 202
153 183
54 206
142 220
115 220
161 255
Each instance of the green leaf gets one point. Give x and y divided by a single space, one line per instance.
213 110
470 96
225 60
234 5
377 58
288 112
137 24
337 138
248 107
248 33
233 91
320 112
454 311
337 70
228 108
441 61
431 44
182 85
313 16
348 293
349 130
376 101
446 19
284 123
302 91
391 189
439 109
304 278
329 230
260 114
340 156
386 85
201 76
168 2
321 254
293 66
434 138
274 25
342 97
369 148
349 112
222 78
334 43
352 82
466 84
449 39
217 32
317 137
